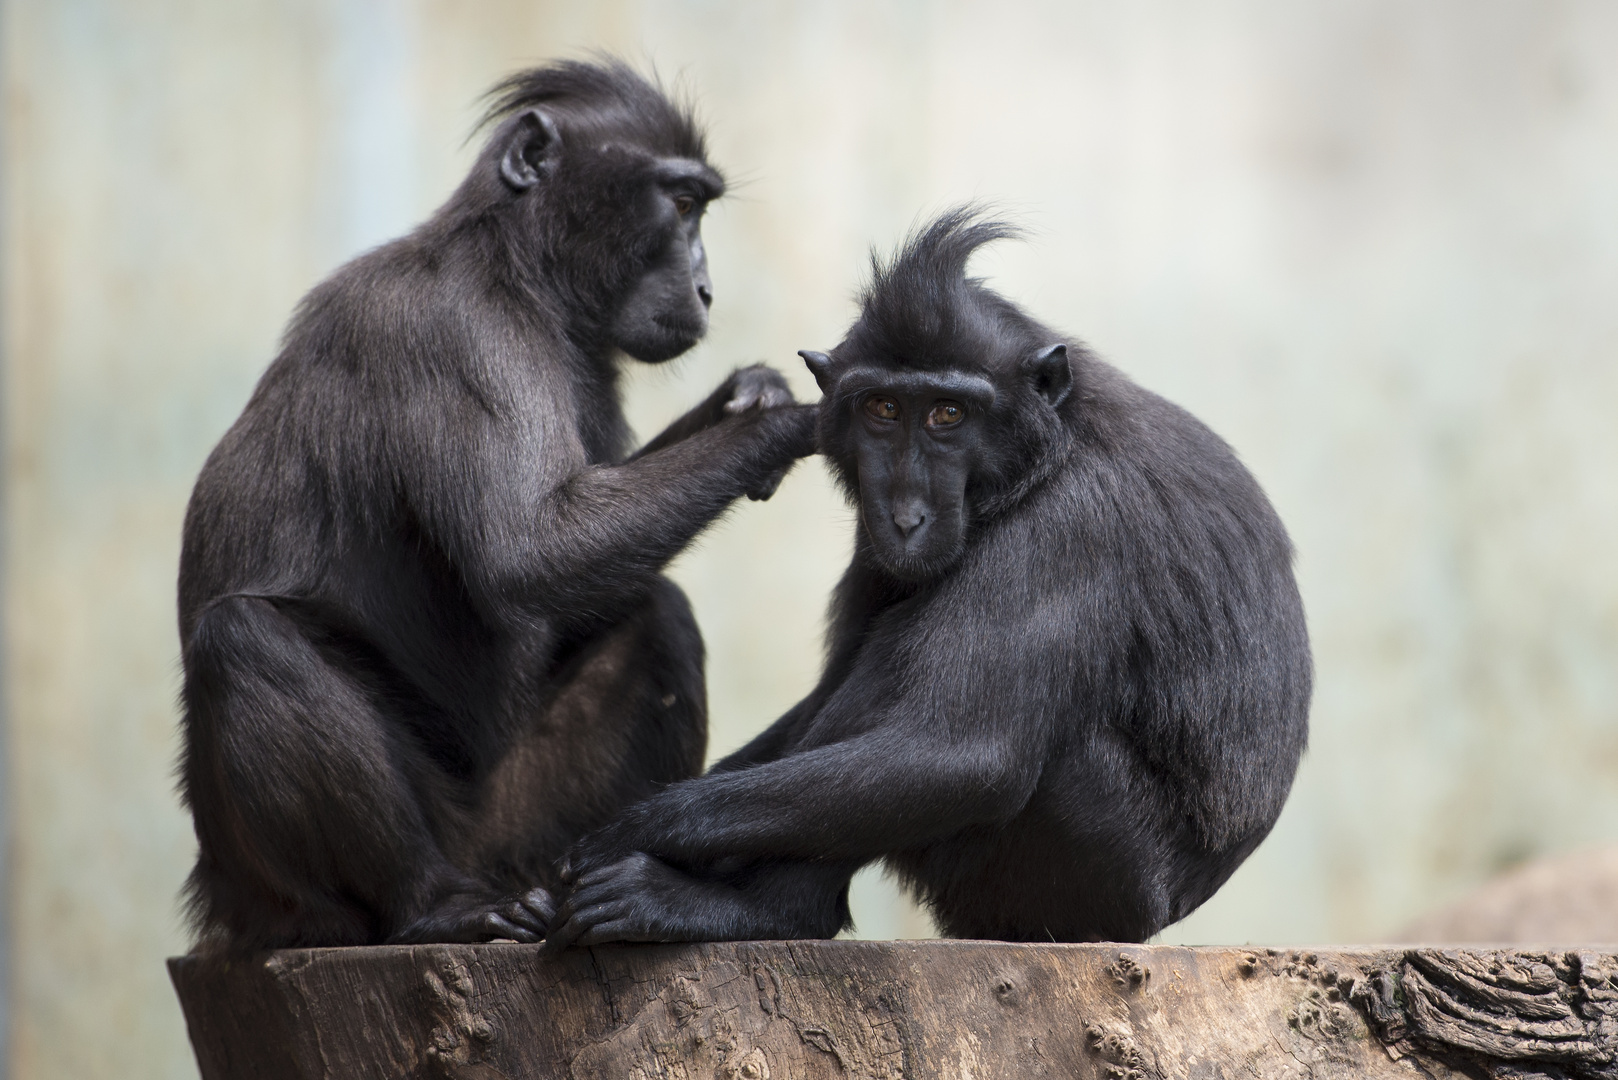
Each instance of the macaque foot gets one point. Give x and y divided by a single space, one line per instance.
467 919
632 899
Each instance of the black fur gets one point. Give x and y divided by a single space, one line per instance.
425 636
1068 675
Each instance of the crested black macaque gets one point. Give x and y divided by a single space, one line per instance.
1068 676
426 640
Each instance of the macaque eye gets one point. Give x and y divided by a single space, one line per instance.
946 413
883 408
684 204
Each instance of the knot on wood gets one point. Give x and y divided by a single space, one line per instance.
1128 972
460 1036
1320 1016
1515 1013
1377 996
1122 1056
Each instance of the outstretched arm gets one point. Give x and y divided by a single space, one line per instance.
768 744
593 541
753 387
858 599
909 746
903 742
854 800
816 814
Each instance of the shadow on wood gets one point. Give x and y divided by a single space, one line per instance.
810 1009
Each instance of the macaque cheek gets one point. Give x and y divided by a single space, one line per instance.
949 508
875 480
876 515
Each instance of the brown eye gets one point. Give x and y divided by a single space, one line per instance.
684 204
944 414
883 408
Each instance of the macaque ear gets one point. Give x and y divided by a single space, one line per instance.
1051 375
531 150
819 365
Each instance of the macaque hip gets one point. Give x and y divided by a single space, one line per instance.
1068 675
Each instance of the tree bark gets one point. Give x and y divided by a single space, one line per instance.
854 1009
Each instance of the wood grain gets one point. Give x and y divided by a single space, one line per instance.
856 1009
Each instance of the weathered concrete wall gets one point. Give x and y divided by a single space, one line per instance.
1374 245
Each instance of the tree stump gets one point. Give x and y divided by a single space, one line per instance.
772 1010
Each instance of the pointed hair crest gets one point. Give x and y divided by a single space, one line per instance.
607 94
923 292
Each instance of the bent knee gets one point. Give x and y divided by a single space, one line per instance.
670 620
266 712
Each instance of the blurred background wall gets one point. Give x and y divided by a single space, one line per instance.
1374 244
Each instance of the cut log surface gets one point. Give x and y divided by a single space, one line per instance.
839 1009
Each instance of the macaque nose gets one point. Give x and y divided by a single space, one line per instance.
908 519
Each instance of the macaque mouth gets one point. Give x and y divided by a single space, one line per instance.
676 324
